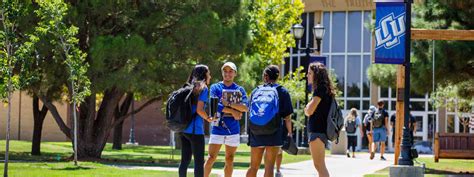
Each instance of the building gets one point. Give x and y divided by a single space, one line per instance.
347 44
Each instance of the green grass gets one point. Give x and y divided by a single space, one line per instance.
130 155
443 168
85 169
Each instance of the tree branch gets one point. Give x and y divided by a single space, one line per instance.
54 111
122 118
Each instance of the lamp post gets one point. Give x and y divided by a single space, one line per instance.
298 32
131 140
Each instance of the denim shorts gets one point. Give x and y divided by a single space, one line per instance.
380 134
313 136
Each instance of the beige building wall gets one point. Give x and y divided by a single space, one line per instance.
22 114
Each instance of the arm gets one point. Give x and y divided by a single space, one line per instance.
288 125
241 107
311 106
414 127
235 113
201 112
386 127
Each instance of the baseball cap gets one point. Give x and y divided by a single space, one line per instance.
372 108
231 65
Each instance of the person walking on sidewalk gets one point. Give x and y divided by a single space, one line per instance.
226 130
367 126
352 124
379 124
270 105
317 110
192 138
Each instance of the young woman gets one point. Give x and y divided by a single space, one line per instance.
352 124
192 138
367 126
317 110
226 131
269 145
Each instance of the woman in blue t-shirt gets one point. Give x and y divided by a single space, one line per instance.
317 110
192 138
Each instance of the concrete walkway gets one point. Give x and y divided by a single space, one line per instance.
338 166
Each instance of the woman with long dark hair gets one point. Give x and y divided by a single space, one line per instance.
192 138
317 110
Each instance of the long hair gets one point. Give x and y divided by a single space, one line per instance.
321 78
198 78
352 115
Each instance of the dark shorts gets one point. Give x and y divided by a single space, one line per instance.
275 139
313 136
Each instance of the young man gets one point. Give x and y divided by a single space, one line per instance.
270 105
226 130
380 133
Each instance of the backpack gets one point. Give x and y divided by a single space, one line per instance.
179 108
378 118
351 126
335 122
264 110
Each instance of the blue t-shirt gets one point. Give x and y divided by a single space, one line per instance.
227 125
197 124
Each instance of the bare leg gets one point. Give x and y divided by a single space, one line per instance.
229 160
211 158
318 155
255 161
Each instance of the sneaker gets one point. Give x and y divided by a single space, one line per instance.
372 154
348 155
278 174
382 158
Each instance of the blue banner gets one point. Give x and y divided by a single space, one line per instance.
390 32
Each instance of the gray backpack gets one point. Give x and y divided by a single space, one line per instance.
335 122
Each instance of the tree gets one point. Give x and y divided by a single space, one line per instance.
144 48
13 52
270 23
454 63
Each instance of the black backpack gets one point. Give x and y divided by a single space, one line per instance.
335 122
351 126
179 108
378 118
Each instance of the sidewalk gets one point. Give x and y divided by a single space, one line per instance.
338 165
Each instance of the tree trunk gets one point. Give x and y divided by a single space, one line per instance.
38 119
117 142
118 129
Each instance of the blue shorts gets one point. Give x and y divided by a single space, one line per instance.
380 134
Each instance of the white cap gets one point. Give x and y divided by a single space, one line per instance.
231 65
372 109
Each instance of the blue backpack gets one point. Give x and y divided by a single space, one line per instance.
264 108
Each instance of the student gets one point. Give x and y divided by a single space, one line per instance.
226 130
367 128
317 110
379 123
192 138
270 105
351 124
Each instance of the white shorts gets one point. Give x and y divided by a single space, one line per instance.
229 140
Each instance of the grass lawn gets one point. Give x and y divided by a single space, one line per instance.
443 168
130 155
85 169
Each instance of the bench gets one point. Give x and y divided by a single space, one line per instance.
453 146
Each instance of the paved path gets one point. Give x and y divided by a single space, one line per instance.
338 166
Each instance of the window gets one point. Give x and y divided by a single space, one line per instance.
337 63
339 31
354 30
353 76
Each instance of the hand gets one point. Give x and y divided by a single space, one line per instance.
362 135
290 134
224 102
237 115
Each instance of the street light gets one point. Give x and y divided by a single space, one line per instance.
298 32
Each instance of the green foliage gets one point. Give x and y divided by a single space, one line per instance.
448 97
51 14
270 23
383 75
295 83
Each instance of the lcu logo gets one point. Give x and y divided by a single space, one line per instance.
389 31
